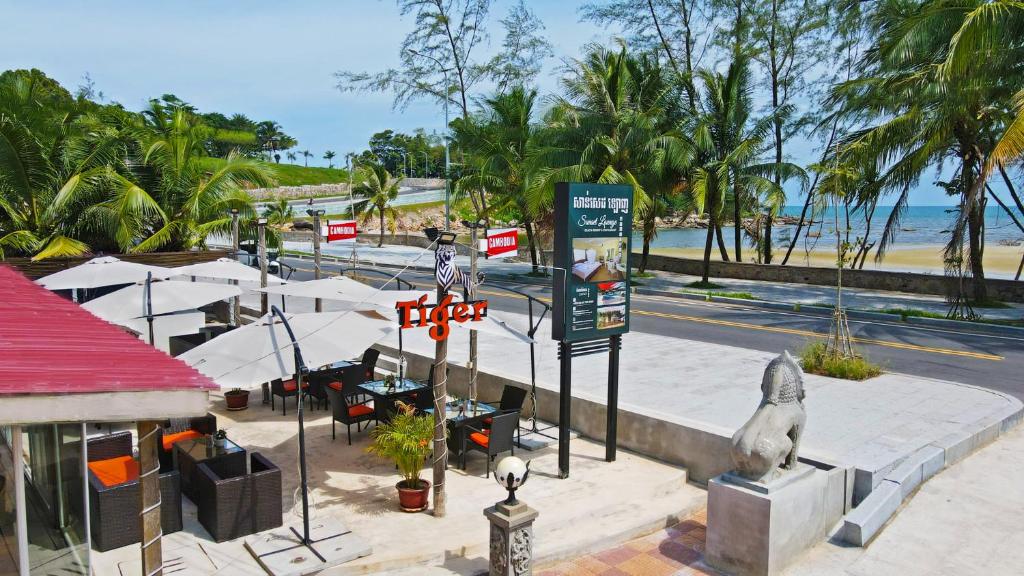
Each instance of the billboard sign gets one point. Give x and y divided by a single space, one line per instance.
593 225
343 230
500 243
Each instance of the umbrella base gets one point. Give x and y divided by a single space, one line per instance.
282 553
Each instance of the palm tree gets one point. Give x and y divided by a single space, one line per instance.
59 192
279 215
329 156
611 128
376 184
938 82
291 156
306 155
499 144
193 200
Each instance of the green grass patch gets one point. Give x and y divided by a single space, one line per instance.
643 275
814 360
293 174
704 285
911 312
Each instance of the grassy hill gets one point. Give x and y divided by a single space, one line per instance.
295 175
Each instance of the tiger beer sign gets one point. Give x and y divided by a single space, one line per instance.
418 314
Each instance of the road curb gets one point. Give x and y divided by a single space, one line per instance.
938 323
865 521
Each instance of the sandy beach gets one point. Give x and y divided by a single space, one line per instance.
1000 261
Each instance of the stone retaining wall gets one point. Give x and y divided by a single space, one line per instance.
1004 290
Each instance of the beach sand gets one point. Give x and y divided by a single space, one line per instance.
1000 261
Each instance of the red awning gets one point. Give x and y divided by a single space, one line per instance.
49 345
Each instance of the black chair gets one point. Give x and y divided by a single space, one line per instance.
170 432
346 410
285 389
317 383
369 362
512 399
494 441
234 503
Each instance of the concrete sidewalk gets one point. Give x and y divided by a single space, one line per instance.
806 294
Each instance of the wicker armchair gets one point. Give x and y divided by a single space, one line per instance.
203 425
114 510
233 505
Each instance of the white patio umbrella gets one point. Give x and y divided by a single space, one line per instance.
262 351
103 271
495 325
225 269
346 289
167 296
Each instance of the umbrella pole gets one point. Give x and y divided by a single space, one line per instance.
401 371
300 370
149 305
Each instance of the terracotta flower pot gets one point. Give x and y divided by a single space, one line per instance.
237 399
413 499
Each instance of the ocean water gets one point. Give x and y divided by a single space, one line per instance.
921 226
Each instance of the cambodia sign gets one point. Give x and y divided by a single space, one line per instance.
418 314
344 230
500 243
593 226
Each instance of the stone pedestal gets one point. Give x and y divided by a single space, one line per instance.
757 529
511 541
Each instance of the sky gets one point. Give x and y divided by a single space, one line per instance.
269 60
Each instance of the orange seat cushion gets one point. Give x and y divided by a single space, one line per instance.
335 385
114 471
359 410
289 385
480 439
171 439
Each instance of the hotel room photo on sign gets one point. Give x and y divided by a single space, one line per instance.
599 259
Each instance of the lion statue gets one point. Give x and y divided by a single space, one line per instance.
771 438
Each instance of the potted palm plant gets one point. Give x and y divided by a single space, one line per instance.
405 440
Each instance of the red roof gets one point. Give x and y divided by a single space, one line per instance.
49 345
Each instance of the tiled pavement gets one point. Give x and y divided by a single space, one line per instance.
677 550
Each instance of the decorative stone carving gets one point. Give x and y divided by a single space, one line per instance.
511 541
522 551
771 438
499 559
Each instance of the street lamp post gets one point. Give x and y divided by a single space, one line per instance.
426 165
236 303
261 227
316 214
447 157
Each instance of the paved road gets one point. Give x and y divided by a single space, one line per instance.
989 361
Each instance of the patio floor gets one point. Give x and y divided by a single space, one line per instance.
600 505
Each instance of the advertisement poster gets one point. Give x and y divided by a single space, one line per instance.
593 224
501 243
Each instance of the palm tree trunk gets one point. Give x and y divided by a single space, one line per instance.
737 224
381 242
976 230
648 236
707 250
721 242
531 243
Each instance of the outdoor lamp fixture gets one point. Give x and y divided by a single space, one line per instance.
446 238
261 221
510 474
319 212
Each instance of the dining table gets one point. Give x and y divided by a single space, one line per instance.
459 415
385 397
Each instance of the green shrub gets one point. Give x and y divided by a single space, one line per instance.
704 285
814 360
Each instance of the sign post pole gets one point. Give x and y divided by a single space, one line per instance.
564 406
471 295
612 423
317 303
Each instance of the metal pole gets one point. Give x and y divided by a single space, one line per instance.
447 161
236 302
426 165
261 226
148 295
317 303
352 205
300 370
20 503
612 423
564 407
472 296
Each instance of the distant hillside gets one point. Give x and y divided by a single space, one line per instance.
293 175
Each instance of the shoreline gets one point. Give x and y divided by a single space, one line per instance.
1000 261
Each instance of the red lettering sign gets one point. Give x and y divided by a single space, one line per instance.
344 230
502 242
438 317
